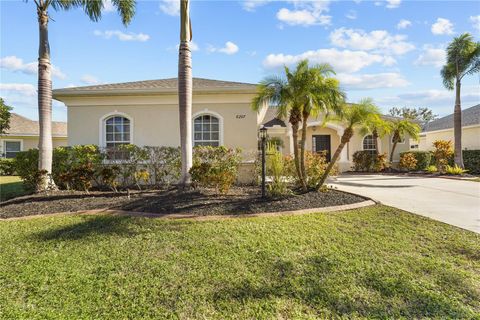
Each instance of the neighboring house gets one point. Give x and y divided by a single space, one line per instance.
442 129
146 113
24 133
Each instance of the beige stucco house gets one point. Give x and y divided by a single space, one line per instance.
442 129
24 133
146 113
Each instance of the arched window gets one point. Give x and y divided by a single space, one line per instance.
369 144
206 131
117 131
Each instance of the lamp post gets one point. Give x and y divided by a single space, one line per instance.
263 138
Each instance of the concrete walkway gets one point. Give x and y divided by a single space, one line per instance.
451 201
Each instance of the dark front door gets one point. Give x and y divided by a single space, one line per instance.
321 142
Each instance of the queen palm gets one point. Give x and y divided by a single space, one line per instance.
378 128
463 58
400 129
93 9
185 91
353 116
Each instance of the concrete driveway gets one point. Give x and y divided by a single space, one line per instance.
451 201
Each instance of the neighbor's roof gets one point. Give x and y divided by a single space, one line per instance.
275 122
155 86
21 126
470 117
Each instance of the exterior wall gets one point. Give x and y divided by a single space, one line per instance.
470 138
31 142
155 119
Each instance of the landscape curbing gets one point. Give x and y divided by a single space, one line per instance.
172 216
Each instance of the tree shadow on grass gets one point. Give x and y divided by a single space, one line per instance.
318 283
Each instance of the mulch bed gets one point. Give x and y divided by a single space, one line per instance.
240 200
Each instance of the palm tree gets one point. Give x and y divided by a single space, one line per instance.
93 9
353 116
401 128
463 58
185 91
305 91
378 128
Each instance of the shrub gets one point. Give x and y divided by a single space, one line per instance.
431 169
164 164
7 167
129 157
215 167
26 165
315 166
471 160
443 153
276 169
380 163
107 175
363 160
408 161
423 159
456 170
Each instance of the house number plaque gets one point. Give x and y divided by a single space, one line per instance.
240 116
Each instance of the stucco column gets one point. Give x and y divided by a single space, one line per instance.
343 155
290 137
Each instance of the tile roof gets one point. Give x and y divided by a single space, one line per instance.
470 116
20 125
161 85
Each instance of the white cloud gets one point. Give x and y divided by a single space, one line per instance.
403 24
431 56
251 5
305 13
170 7
229 48
442 26
122 36
341 60
23 89
475 20
16 64
392 4
89 79
352 15
379 40
108 6
372 81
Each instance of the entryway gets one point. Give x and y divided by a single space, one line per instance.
322 142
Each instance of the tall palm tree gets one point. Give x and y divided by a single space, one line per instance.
185 91
400 129
93 9
463 58
299 94
353 116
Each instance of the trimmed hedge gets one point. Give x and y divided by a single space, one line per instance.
423 159
471 161
7 167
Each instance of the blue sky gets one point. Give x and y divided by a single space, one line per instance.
389 50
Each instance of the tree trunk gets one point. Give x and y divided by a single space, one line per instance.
393 150
185 93
44 105
295 154
347 135
457 126
375 139
302 149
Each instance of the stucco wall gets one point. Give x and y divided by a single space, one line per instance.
31 142
470 138
156 121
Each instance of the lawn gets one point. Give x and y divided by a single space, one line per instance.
376 262
10 187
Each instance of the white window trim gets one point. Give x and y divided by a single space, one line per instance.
102 128
4 146
378 144
210 113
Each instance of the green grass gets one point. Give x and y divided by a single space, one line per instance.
10 187
377 262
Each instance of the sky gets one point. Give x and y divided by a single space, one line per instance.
389 50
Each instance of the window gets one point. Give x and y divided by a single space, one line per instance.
206 131
369 144
117 131
12 148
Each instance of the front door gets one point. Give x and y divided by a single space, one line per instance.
321 142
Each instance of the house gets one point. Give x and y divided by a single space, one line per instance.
146 113
24 134
442 129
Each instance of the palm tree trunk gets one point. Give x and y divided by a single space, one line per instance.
393 150
457 126
375 139
302 148
295 154
185 93
347 135
44 105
